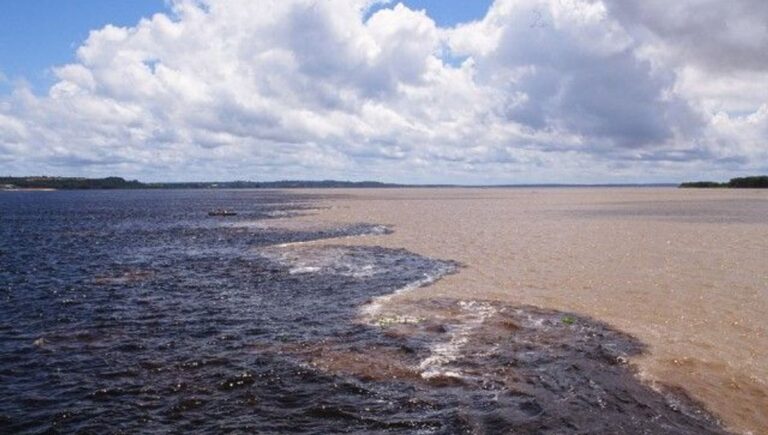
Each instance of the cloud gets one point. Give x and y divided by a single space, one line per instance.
537 90
716 35
568 66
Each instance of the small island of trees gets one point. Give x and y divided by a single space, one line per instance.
759 182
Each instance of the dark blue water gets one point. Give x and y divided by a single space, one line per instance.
135 311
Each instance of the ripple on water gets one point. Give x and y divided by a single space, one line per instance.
520 369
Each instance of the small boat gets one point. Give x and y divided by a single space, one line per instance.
222 212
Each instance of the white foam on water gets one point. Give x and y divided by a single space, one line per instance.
289 244
365 270
304 269
379 230
283 213
444 353
332 260
374 308
256 224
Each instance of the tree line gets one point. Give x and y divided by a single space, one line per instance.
759 182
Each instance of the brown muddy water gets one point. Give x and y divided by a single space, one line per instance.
683 273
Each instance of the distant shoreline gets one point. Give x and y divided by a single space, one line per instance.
117 183
47 183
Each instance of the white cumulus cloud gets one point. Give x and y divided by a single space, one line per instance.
535 91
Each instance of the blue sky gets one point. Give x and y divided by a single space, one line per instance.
450 12
38 34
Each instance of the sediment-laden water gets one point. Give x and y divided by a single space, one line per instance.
135 311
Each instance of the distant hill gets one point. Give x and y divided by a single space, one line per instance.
758 182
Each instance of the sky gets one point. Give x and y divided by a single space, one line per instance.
424 91
36 35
